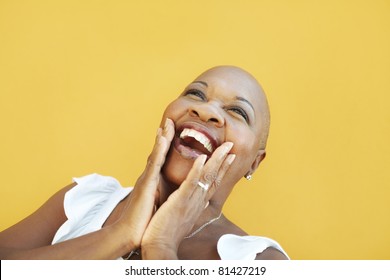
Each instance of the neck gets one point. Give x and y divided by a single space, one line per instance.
212 211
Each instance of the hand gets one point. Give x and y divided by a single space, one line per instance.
142 200
176 217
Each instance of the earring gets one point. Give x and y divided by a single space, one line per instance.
248 177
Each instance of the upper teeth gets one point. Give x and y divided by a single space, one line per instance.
200 137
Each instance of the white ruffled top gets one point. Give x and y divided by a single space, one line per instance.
91 201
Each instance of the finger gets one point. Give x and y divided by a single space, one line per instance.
157 156
169 130
161 147
192 179
163 142
221 174
213 165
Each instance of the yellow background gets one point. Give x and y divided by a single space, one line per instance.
83 85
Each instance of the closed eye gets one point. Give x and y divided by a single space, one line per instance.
241 112
196 93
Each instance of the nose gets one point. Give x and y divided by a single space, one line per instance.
208 113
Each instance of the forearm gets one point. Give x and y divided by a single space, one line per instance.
107 243
159 252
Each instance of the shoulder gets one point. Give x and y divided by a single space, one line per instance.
92 190
249 247
236 244
230 227
271 254
89 204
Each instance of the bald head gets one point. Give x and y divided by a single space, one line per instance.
240 79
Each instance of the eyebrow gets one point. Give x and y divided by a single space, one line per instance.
200 82
246 101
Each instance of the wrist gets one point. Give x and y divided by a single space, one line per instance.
121 233
158 252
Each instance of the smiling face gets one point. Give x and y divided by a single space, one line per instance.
223 104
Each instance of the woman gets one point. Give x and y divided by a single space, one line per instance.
210 137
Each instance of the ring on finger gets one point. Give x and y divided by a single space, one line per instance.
203 186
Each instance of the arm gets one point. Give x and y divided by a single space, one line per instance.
40 226
31 238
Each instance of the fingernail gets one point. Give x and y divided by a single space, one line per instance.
203 158
230 158
228 146
166 123
158 133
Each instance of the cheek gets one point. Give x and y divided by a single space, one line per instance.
176 169
174 110
244 148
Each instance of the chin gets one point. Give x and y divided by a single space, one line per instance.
176 168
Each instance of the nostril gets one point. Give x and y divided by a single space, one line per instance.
206 115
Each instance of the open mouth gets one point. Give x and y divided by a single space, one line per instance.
192 143
196 139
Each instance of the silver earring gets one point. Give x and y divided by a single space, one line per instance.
248 177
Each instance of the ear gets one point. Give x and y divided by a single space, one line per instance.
259 158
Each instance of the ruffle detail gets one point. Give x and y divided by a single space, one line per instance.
89 204
235 247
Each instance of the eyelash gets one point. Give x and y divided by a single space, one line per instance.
241 112
202 96
196 93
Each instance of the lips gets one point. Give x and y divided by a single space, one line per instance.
193 140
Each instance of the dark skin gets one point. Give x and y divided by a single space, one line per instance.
166 204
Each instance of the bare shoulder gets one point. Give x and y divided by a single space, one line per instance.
41 225
268 254
271 254
230 227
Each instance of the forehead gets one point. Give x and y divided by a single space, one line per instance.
232 83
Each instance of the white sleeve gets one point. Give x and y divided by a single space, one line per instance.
89 204
235 247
